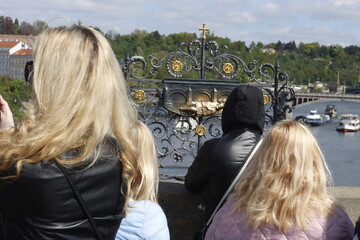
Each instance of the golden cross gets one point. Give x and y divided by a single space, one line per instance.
204 29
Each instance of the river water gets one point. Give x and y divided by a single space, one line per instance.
341 150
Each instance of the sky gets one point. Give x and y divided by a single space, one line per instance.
327 22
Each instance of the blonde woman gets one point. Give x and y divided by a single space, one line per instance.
282 194
145 219
80 122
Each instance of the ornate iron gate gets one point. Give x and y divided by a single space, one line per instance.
182 113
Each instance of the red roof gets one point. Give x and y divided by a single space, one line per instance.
23 52
8 44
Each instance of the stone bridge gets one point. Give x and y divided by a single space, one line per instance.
302 98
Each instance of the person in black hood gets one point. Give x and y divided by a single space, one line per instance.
220 159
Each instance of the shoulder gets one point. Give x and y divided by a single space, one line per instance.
209 144
337 225
145 220
239 137
148 209
228 223
236 145
339 222
246 135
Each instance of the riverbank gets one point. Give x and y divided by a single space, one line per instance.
185 211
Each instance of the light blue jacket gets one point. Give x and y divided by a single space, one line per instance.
145 220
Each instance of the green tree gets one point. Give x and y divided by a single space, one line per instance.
260 45
15 92
279 46
290 46
15 27
40 26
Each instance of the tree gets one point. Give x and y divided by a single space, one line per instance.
335 50
290 46
238 47
40 26
352 50
26 28
324 51
15 26
15 92
111 35
6 24
310 49
260 45
252 45
319 90
156 35
279 46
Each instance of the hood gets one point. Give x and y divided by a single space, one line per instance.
244 109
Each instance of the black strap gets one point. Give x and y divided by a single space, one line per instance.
80 201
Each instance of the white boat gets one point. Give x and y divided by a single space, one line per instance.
315 119
349 123
331 110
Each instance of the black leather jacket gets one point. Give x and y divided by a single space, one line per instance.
41 205
220 159
216 165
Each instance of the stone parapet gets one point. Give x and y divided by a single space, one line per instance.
185 212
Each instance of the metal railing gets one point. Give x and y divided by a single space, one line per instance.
184 112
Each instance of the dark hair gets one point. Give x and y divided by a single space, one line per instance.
29 66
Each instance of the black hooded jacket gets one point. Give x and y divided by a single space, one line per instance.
220 159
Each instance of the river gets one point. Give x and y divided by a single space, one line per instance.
341 150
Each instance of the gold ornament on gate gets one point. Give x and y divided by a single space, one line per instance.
139 95
266 99
177 66
200 130
228 68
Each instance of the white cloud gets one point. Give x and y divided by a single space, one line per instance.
241 17
344 2
270 7
264 20
328 10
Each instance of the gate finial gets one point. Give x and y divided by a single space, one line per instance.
204 29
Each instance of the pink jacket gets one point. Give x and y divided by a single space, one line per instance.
228 224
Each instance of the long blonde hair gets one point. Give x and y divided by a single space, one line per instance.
80 96
147 175
285 183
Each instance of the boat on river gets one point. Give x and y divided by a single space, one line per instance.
349 123
331 110
316 119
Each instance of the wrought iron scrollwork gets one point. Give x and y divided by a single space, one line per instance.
280 93
186 112
190 57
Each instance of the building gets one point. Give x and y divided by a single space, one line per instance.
17 63
268 50
13 56
29 40
6 49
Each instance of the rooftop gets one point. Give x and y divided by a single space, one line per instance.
8 44
23 52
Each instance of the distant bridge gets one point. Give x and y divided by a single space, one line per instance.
306 98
